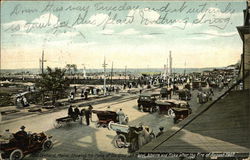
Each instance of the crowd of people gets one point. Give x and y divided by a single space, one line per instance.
77 114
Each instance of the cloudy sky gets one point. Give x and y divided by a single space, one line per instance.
136 34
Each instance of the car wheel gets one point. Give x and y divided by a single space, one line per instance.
16 154
47 145
120 141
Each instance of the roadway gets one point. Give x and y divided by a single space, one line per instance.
78 140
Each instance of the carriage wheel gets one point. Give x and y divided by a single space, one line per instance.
16 154
47 145
120 141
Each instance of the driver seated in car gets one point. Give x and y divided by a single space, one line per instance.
22 137
22 132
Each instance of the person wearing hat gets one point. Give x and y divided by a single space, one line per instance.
161 131
22 132
22 137
121 116
70 111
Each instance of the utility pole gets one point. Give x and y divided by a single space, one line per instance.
170 64
0 64
185 69
42 70
125 74
104 68
42 62
111 74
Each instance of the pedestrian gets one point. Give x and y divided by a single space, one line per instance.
87 116
121 116
82 93
25 102
76 113
90 109
143 135
75 89
86 94
82 114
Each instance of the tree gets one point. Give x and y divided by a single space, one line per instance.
71 68
53 83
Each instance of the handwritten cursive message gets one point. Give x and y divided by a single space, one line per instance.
55 16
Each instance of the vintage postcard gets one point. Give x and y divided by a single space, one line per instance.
124 80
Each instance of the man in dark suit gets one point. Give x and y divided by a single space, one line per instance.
22 137
87 116
70 111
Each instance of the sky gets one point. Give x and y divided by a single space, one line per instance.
132 34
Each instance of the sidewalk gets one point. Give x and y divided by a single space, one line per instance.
79 101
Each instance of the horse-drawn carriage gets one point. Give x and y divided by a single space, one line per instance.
105 117
59 122
165 105
127 136
146 102
18 147
184 94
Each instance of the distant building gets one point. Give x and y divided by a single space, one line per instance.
244 32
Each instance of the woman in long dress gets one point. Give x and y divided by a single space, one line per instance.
143 136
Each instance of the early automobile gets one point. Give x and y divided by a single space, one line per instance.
179 114
105 117
146 102
184 94
127 136
18 147
164 105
